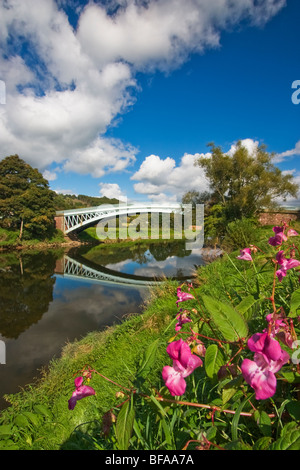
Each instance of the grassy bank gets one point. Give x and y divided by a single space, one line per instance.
38 417
9 239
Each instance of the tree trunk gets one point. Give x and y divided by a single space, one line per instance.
21 230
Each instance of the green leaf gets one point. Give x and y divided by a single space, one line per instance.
214 359
262 443
236 418
148 360
290 440
293 408
8 445
295 303
33 418
21 421
124 424
245 307
228 321
290 376
264 422
43 410
5 430
231 388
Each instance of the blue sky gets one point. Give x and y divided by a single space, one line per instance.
112 98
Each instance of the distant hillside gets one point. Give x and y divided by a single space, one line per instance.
67 201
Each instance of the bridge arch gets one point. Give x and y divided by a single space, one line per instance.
75 220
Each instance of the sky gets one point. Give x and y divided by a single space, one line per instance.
119 98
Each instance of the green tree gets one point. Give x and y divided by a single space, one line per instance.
26 202
244 184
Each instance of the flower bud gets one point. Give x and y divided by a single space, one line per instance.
199 349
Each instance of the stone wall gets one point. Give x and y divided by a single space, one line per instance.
59 222
277 218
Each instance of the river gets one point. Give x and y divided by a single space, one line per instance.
53 297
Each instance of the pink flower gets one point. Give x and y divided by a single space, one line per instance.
260 374
182 319
279 238
285 263
292 233
280 329
184 363
81 391
245 254
264 344
276 322
182 296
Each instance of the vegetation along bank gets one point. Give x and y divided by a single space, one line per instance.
123 366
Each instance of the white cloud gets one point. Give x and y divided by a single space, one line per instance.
101 157
165 32
66 191
153 169
66 86
250 144
50 175
161 180
280 157
112 190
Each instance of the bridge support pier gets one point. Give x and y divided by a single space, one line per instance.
59 222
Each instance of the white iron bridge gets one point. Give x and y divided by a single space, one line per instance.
78 219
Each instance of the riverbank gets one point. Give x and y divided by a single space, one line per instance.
9 240
38 417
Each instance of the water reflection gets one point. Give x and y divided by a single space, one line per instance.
154 260
42 308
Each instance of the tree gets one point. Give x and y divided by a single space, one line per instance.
25 198
244 184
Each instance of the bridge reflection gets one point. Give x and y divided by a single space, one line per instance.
81 268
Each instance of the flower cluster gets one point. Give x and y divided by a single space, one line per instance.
285 264
183 316
184 361
282 234
269 357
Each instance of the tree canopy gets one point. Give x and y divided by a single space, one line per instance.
25 198
244 184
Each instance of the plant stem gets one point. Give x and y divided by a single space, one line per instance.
209 407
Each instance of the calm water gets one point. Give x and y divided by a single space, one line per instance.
50 298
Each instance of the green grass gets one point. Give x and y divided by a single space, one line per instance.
10 238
